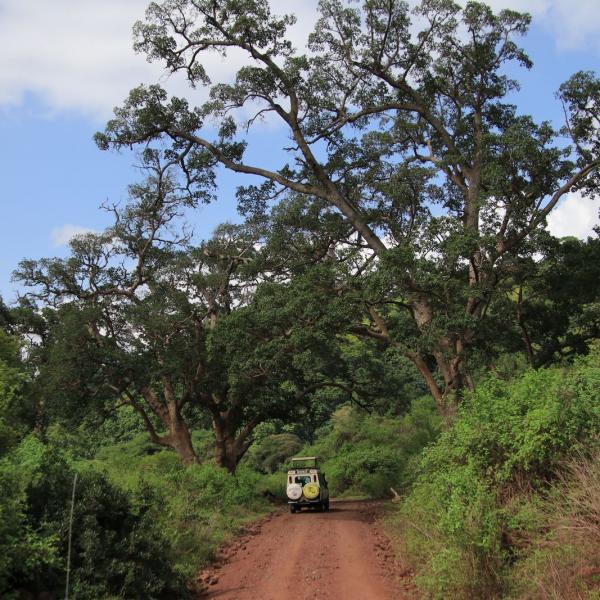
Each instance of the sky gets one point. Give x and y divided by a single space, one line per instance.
65 64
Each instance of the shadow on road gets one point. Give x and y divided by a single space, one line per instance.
339 511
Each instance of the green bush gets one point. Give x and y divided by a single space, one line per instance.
273 451
453 533
12 383
117 551
200 506
365 454
25 553
563 550
479 481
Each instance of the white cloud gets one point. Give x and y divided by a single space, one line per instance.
575 216
573 24
534 7
77 55
61 236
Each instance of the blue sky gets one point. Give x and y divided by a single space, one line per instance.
67 63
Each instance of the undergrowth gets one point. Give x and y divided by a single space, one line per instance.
198 507
366 454
478 518
563 558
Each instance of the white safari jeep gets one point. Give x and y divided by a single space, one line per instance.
306 485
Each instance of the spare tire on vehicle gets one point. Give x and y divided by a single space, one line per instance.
294 491
311 491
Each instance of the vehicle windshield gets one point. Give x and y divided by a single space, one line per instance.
302 479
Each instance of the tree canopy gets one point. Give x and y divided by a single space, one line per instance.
144 318
399 124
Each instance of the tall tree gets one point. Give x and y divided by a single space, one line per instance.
408 136
144 318
555 301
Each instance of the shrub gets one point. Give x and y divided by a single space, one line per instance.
452 531
116 552
24 552
366 454
12 383
563 560
199 506
273 451
480 481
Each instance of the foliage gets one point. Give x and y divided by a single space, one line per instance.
183 334
407 251
273 450
550 310
143 523
461 520
200 506
117 550
563 555
366 454
559 301
432 187
25 553
12 386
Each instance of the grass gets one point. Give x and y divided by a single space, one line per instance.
200 507
562 560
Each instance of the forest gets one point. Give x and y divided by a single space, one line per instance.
390 299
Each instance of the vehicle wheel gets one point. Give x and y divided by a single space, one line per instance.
327 505
292 508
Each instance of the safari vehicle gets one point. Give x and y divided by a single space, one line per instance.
306 485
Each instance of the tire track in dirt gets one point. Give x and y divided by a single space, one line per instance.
336 555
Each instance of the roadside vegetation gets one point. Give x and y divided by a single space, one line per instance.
504 505
391 301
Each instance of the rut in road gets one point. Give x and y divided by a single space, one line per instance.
338 555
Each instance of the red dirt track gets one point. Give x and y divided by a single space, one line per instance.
339 555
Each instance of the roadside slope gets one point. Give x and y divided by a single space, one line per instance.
333 556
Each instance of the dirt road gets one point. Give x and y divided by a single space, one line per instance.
339 555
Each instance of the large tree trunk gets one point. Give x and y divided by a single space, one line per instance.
448 353
178 436
449 357
228 452
231 442
180 439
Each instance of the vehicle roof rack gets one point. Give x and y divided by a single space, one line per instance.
307 462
